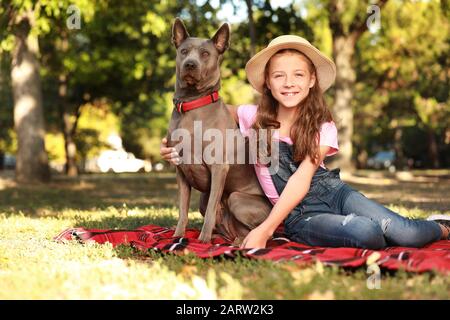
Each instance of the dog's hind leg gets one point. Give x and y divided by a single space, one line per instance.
185 196
230 228
204 196
250 210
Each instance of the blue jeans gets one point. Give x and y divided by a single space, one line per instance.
333 214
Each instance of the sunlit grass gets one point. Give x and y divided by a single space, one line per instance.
33 266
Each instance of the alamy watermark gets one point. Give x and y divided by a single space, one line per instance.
374 280
214 146
73 21
373 22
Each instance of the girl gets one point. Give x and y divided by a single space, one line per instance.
317 207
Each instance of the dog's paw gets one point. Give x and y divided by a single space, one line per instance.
204 238
178 233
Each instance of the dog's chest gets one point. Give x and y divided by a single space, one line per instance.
189 134
198 176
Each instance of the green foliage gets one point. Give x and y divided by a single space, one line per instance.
434 114
54 144
403 76
95 125
122 55
6 106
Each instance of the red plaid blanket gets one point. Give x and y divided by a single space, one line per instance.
435 256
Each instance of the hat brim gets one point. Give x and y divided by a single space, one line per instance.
325 68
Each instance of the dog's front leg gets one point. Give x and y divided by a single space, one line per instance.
184 194
218 177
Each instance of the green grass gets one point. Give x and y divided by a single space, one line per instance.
33 266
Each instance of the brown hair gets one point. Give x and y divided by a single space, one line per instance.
311 113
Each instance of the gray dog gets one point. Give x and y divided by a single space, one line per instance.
232 201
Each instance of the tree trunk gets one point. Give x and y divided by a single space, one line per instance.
344 43
68 126
251 25
400 161
343 51
433 148
71 150
32 159
68 129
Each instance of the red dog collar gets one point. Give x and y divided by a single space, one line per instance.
183 106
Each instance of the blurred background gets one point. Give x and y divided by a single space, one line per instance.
87 85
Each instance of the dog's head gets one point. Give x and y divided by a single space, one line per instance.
198 60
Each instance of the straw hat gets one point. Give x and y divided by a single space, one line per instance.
325 67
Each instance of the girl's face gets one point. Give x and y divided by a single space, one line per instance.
289 79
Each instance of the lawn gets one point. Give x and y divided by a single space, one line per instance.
33 266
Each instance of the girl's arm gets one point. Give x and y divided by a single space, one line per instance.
233 110
294 192
172 156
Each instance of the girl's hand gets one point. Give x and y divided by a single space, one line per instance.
169 154
257 238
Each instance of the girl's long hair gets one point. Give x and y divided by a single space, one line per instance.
311 113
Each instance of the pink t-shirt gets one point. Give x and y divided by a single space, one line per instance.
247 115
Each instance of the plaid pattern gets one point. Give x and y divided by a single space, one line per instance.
435 256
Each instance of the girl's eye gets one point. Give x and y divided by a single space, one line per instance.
299 74
205 54
278 76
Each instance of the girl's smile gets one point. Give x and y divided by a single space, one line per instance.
289 94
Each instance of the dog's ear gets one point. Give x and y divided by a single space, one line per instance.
179 32
221 39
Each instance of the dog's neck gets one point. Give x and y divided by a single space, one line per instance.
191 93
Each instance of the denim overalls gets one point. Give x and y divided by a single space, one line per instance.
334 214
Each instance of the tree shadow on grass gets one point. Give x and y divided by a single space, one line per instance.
410 195
91 192
131 223
154 191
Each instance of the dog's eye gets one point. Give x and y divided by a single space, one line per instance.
205 54
183 51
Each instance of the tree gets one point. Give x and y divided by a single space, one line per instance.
404 81
60 56
251 26
32 160
348 22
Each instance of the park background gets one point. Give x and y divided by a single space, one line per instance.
96 68
73 74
